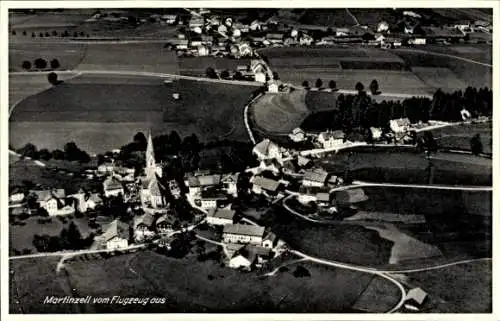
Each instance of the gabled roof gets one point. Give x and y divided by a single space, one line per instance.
45 195
264 146
146 220
323 197
265 183
225 214
116 229
351 196
316 175
112 183
303 161
94 197
271 237
338 134
205 180
416 294
241 229
165 219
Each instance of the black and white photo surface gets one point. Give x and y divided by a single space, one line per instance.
250 160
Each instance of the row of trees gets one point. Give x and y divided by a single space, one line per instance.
69 239
71 152
374 86
360 111
40 63
54 33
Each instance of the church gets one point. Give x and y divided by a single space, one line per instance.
151 188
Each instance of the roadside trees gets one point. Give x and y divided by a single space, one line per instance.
210 73
475 145
54 64
332 85
305 84
374 88
40 63
319 83
26 65
52 78
224 74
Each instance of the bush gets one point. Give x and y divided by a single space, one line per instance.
40 63
13 32
54 64
210 277
26 251
283 269
24 33
26 65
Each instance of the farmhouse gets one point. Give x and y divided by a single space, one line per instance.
273 86
220 216
197 184
144 226
262 185
92 201
53 201
164 224
271 165
415 298
401 125
330 139
350 197
116 236
248 257
270 240
315 178
260 77
239 233
212 199
266 149
275 38
112 187
306 40
106 168
16 198
229 183
303 161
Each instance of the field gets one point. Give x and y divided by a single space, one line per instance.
413 168
101 113
474 75
464 288
327 17
373 16
436 77
31 280
458 137
47 20
155 275
197 66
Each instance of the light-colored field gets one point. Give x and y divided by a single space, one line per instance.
46 20
404 246
280 113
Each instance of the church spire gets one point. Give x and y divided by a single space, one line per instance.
150 153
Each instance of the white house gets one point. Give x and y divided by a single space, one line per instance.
50 200
266 149
315 178
220 216
229 183
116 235
260 77
239 233
16 199
112 187
144 227
240 260
331 139
415 298
203 50
270 240
401 125
209 202
273 86
261 185
106 168
306 40
297 135
92 201
197 184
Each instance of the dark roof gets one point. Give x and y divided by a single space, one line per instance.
266 183
351 196
226 214
116 229
241 229
316 175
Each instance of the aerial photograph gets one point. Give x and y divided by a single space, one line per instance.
250 160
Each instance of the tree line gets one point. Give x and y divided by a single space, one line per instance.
70 152
40 64
54 33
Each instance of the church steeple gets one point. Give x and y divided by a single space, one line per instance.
150 153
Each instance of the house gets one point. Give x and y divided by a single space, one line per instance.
255 25
196 21
245 49
257 66
16 198
262 185
112 187
273 86
92 201
220 216
463 25
303 161
222 29
270 240
229 183
315 177
289 166
323 199
266 149
306 40
144 226
342 32
203 50
350 197
174 188
417 41
239 233
306 195
382 26
50 200
170 19
197 184
297 135
210 200
335 181
260 77
106 168
401 125
376 133
275 38
330 139
164 224
249 256
271 165
415 298
182 44
79 197
116 236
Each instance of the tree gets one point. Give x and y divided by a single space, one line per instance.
26 65
332 85
54 33
141 141
319 83
47 34
28 150
13 32
359 87
224 74
40 63
40 35
75 34
475 145
44 154
210 73
58 154
305 84
276 76
374 87
33 35
52 78
24 33
54 64
238 76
